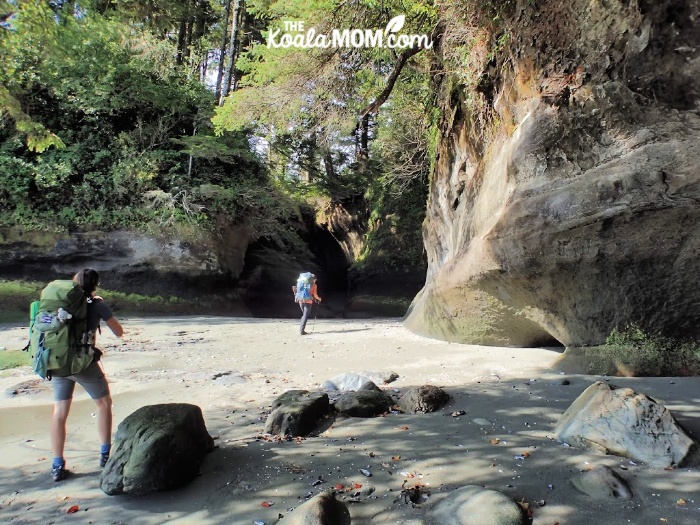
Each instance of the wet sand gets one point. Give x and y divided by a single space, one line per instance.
516 395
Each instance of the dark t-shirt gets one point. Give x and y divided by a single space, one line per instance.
97 311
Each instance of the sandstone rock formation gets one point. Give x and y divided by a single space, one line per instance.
157 448
131 262
565 199
228 270
620 421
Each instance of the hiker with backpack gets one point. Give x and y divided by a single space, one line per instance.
91 378
305 293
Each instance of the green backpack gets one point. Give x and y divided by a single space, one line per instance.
59 342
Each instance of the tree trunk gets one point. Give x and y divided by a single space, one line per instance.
188 38
328 164
200 20
362 141
222 54
203 68
232 50
362 144
181 42
364 137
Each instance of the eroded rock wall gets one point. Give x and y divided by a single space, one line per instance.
565 201
129 261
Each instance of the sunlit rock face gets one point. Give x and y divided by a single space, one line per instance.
568 203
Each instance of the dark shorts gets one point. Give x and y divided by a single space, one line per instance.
92 379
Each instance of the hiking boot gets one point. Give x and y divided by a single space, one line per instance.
103 460
303 333
59 473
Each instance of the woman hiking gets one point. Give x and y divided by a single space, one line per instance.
306 299
92 379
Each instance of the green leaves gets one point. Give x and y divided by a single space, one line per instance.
96 114
106 121
29 29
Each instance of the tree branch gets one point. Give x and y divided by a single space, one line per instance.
391 81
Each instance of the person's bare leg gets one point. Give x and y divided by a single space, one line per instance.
58 426
58 438
104 427
104 419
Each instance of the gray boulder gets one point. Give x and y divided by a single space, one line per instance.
423 399
602 482
369 401
296 413
323 509
157 448
619 421
472 505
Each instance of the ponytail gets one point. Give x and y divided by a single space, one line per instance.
88 279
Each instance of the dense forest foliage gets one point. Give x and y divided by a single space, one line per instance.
167 113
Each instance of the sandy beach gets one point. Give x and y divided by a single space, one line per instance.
233 368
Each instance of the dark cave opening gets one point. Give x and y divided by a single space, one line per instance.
268 276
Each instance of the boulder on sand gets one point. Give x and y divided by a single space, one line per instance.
620 421
423 399
368 401
296 413
473 505
156 448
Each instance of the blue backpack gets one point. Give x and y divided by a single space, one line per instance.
304 287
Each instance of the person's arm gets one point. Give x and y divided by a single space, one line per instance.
314 292
105 313
115 326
